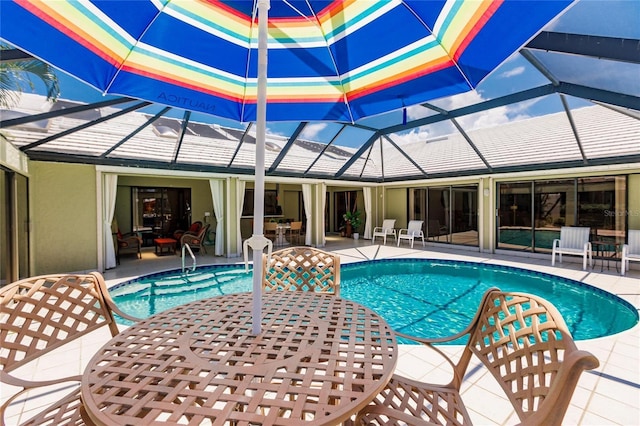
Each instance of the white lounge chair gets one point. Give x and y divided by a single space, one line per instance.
574 240
387 228
413 230
631 250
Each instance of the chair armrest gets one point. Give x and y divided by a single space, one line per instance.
465 332
565 384
26 386
130 236
556 243
29 384
114 308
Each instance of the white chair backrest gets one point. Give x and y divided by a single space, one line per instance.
574 237
415 227
634 241
388 224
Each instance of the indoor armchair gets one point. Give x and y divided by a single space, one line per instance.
128 243
196 241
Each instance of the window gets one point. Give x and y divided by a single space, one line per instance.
344 201
450 213
601 204
159 212
271 206
531 213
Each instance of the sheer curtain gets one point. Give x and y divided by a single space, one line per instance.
110 190
366 191
306 200
323 202
217 187
239 205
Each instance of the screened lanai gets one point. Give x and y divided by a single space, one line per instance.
550 137
569 98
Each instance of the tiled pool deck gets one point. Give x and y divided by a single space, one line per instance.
609 395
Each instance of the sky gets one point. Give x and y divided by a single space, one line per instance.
515 74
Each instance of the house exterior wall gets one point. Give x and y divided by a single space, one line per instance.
64 217
64 207
396 206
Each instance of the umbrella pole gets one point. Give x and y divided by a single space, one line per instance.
258 202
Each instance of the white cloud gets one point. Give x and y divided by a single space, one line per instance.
415 135
311 131
513 72
488 118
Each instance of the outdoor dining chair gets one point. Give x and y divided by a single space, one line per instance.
41 314
271 230
301 269
522 340
631 250
413 231
295 232
574 240
387 228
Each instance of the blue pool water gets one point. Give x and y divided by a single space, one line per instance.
522 237
430 298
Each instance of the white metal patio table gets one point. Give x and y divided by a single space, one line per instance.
281 240
318 360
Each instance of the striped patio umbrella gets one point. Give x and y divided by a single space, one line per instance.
328 60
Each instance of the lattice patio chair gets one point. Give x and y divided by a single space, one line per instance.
387 228
525 344
302 269
38 315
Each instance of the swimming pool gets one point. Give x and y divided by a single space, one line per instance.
422 297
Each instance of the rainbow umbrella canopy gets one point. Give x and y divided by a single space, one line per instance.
327 60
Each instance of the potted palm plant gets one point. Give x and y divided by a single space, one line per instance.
352 223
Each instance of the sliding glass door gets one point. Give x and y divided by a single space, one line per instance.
531 213
449 213
14 227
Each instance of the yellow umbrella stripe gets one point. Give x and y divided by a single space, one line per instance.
351 15
223 84
468 20
426 53
213 18
401 70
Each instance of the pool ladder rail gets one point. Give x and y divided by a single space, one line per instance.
186 247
